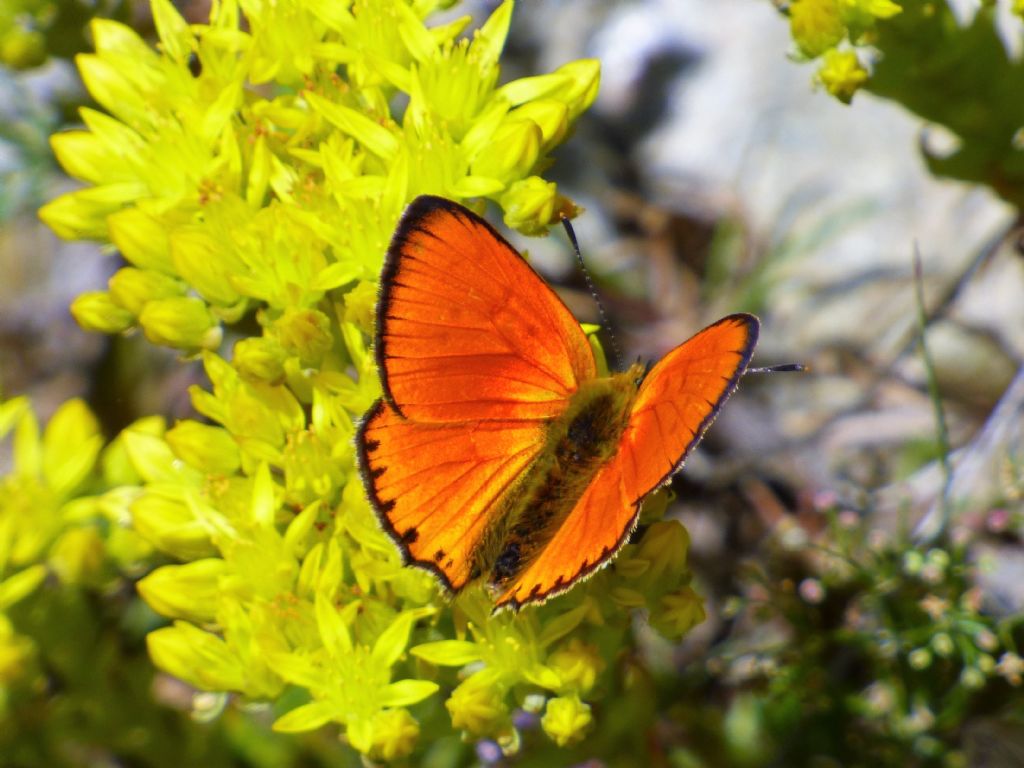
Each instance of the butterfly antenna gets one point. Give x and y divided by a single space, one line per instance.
593 291
784 368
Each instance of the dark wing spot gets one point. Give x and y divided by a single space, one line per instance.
371 445
387 506
377 472
439 555
449 564
508 562
410 536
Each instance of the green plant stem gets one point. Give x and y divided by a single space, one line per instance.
933 392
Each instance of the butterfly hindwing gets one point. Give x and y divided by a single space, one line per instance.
466 330
436 487
675 404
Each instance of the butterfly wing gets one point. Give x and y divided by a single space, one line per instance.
466 330
436 487
675 405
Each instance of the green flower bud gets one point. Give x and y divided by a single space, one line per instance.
920 658
842 74
577 664
190 591
938 558
665 545
141 239
942 644
913 561
82 155
550 116
132 288
22 48
97 311
361 306
199 658
83 214
77 556
209 449
816 25
478 706
512 151
575 84
972 678
583 81
532 204
183 322
393 733
260 359
305 333
566 719
206 264
627 598
678 612
311 471
169 524
71 444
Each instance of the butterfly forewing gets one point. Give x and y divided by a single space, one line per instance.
466 330
475 354
675 405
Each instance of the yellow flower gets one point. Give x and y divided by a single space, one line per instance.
478 705
816 25
97 311
566 719
395 733
842 74
183 322
275 206
577 664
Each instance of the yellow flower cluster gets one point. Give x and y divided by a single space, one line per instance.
821 27
48 526
255 172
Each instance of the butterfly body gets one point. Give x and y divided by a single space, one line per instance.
577 444
497 452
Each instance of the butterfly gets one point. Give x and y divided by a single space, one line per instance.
497 452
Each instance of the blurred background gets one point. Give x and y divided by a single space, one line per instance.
715 177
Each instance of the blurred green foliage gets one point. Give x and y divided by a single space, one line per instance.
965 75
964 79
860 647
32 31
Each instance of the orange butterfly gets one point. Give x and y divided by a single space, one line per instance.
497 451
